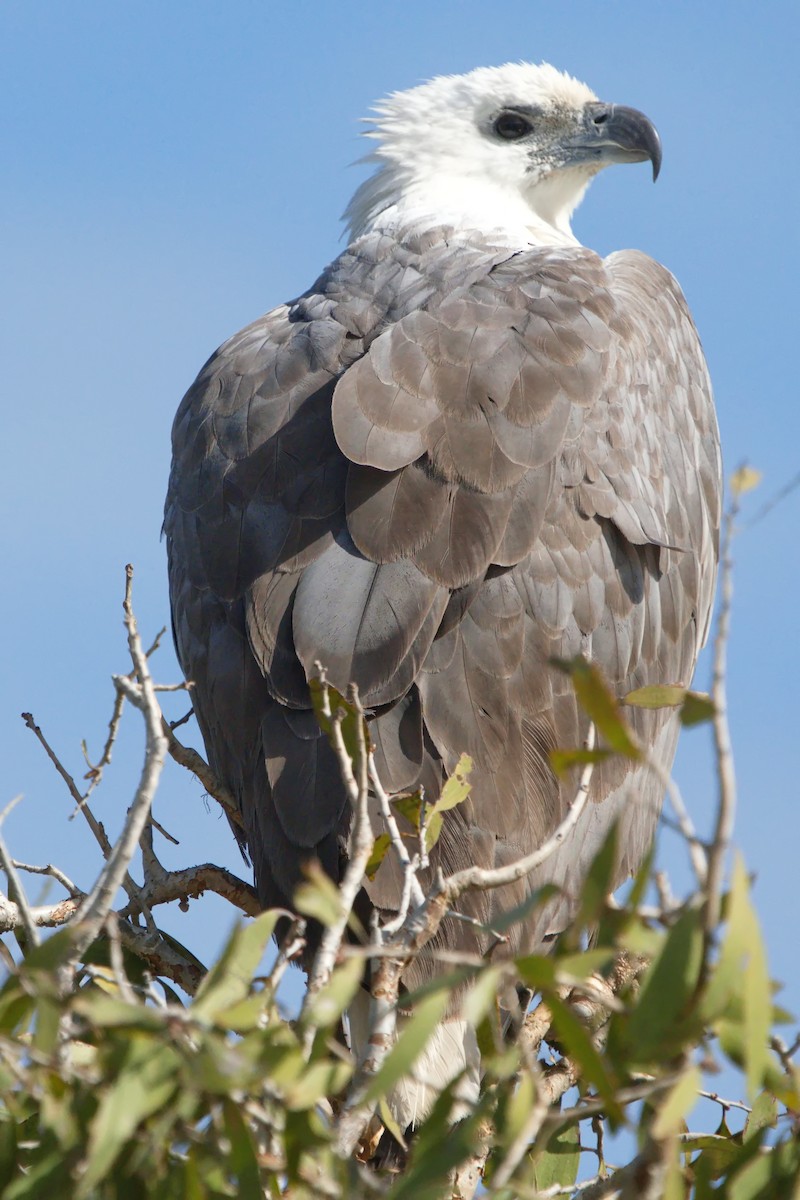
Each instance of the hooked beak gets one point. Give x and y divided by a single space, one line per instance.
612 133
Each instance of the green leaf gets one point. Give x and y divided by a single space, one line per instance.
318 896
597 886
507 919
147 1080
183 951
740 985
410 1044
409 807
9 1161
563 761
718 1151
387 1117
331 1000
598 703
764 1115
318 1079
575 967
697 707
106 1011
243 1158
229 980
518 1108
667 986
574 1036
557 1164
379 847
44 1178
482 996
678 1102
350 721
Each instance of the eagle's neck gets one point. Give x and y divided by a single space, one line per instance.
387 202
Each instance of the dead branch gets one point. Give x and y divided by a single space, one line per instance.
98 903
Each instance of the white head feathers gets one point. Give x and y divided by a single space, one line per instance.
439 161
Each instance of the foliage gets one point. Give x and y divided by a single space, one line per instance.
115 1084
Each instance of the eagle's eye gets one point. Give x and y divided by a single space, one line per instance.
511 126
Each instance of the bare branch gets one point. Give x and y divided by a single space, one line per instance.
45 916
412 889
97 904
74 790
7 863
191 883
696 848
356 780
197 765
53 872
726 807
483 880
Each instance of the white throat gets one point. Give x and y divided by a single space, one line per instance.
388 202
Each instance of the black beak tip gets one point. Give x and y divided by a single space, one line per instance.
655 156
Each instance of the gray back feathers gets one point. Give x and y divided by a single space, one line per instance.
441 466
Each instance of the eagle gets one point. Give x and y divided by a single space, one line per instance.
472 447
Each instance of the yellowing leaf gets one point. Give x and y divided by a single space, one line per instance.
744 480
454 792
667 695
379 847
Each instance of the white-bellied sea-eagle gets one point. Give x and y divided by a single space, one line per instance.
470 447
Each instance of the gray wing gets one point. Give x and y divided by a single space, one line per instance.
435 471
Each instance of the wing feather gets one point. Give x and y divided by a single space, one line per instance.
439 468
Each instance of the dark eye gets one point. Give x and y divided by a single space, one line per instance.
510 126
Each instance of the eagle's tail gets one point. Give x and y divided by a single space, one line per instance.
451 1052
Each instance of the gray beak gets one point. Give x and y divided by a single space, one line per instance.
613 133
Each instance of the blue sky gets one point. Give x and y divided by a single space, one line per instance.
173 170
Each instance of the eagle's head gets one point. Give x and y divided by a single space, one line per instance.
508 150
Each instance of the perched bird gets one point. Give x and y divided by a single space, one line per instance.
472 445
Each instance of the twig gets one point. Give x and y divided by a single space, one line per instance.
412 889
194 762
14 883
529 1129
164 832
97 905
117 963
774 501
292 945
697 850
53 872
726 807
483 880
181 720
74 791
95 773
355 776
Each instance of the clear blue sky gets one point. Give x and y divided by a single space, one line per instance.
174 169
